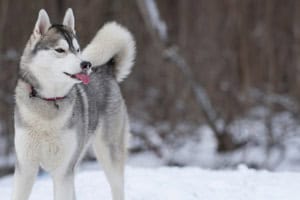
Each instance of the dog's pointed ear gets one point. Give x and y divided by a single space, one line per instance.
42 24
69 19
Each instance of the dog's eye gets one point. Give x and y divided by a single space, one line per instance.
78 50
60 50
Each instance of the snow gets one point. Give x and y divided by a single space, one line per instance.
177 184
190 144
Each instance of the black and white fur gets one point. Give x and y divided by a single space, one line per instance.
56 137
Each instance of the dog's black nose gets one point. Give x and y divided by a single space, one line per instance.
85 65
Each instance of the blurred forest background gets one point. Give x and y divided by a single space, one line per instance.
215 84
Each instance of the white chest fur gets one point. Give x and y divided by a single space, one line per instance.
56 152
45 141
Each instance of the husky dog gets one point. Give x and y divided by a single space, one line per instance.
66 100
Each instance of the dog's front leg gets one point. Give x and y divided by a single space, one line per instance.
27 164
25 173
64 187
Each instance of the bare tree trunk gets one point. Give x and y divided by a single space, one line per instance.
60 5
240 8
270 61
296 37
4 10
3 96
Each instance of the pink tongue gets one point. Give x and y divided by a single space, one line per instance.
83 77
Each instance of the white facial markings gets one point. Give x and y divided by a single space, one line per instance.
62 44
75 44
49 69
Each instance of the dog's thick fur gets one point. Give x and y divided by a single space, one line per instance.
54 127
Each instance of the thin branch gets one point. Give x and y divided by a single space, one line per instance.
150 14
154 23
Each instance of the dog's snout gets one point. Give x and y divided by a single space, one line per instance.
85 65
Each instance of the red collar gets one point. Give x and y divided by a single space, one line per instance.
33 93
53 98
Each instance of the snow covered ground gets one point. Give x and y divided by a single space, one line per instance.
188 144
177 184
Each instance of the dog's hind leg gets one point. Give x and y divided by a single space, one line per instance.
111 154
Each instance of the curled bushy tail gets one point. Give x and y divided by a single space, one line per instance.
112 41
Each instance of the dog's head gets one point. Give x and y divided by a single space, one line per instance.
51 61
